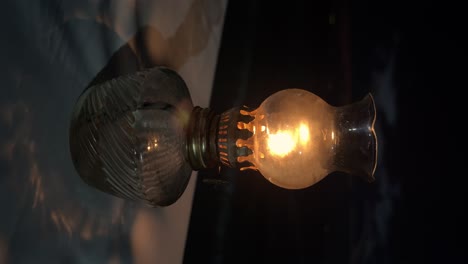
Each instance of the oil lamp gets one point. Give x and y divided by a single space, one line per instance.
139 137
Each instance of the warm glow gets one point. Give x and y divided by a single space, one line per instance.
281 143
303 134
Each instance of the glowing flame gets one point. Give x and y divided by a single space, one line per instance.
281 143
284 142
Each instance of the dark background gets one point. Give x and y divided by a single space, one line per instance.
409 56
